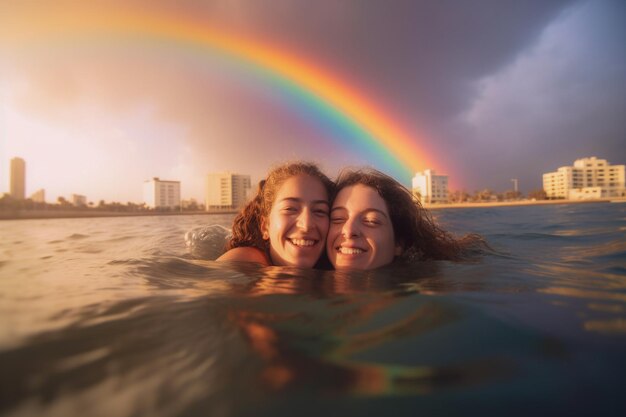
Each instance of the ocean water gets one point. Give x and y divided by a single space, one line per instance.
118 317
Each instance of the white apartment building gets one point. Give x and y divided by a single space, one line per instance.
587 178
226 190
430 188
161 194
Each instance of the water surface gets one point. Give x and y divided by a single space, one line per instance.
116 316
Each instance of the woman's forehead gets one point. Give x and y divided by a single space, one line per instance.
302 187
360 197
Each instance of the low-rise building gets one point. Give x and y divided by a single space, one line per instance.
588 178
191 204
429 187
79 200
39 196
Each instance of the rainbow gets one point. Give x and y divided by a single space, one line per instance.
358 122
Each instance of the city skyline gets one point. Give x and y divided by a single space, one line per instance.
489 92
228 190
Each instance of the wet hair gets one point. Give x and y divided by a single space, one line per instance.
414 229
247 224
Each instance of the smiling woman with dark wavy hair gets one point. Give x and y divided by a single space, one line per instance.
375 220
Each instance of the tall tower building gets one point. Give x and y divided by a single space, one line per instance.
430 188
226 190
18 178
161 194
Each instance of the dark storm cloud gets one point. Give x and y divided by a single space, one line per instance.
563 99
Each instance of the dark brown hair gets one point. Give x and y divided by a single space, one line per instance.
247 224
413 227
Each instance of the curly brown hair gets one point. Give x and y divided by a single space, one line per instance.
247 224
414 229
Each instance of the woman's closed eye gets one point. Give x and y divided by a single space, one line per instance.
371 221
337 219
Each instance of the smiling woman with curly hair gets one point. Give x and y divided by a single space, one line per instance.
286 223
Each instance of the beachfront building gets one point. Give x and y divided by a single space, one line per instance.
18 179
430 188
39 196
79 200
226 191
588 178
161 194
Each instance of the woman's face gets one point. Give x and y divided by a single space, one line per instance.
297 224
361 233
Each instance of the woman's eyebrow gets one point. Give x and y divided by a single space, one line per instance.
366 211
376 211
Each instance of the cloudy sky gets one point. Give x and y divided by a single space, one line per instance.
490 90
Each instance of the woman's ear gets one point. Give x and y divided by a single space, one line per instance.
398 250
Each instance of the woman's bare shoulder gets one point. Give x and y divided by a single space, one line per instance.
245 254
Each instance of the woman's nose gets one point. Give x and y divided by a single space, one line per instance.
305 220
350 229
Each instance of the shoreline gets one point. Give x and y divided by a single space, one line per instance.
72 214
79 214
520 203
